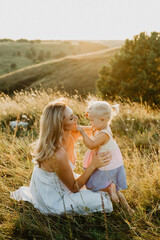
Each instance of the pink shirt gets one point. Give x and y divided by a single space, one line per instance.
110 146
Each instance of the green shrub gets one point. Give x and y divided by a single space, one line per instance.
13 66
134 72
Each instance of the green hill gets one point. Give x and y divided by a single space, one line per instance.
74 72
22 53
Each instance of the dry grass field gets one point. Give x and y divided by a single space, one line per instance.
137 131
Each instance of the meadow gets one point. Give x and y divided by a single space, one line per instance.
136 130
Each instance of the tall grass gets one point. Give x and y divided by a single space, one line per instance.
137 131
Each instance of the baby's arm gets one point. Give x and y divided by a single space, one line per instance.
88 130
98 141
76 134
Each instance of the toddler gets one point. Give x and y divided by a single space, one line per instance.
111 178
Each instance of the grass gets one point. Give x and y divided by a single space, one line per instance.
137 131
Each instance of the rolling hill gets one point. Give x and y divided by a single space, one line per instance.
21 53
74 72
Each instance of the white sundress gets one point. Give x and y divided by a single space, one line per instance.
47 193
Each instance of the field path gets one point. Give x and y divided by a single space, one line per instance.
78 56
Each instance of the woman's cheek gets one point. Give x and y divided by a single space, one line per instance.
74 125
68 125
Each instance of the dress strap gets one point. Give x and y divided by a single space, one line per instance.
72 138
106 131
34 161
62 148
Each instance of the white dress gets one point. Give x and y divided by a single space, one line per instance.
47 193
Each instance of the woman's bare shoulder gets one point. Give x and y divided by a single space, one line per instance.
57 160
61 155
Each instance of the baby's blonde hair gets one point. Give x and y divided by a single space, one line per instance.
51 131
103 109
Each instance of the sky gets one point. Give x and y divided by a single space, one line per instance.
78 19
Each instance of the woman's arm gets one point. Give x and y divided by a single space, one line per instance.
98 141
65 173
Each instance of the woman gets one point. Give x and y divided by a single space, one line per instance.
54 188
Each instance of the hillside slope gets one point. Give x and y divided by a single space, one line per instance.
19 54
75 72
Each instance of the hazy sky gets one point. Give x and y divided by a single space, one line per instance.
78 19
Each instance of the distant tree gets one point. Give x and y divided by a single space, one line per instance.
6 40
28 54
18 53
134 72
22 40
13 66
48 55
37 41
41 55
33 52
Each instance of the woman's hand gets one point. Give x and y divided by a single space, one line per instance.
101 160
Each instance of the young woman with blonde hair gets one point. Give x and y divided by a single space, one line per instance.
54 187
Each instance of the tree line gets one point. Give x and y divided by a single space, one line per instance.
20 40
134 72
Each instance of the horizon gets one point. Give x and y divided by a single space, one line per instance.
63 40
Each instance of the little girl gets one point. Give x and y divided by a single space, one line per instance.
111 178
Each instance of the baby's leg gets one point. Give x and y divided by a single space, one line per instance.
111 189
125 203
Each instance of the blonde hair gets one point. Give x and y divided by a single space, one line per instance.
103 109
51 131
